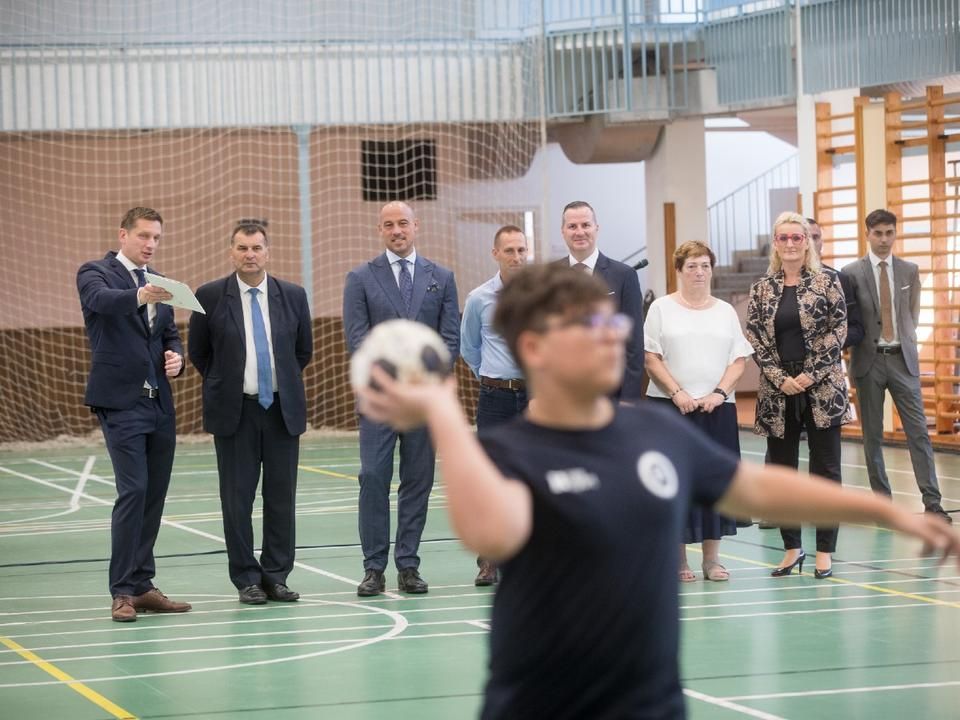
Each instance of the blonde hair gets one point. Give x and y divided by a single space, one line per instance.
811 261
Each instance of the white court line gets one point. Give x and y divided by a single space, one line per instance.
729 705
399 625
844 691
170 523
246 636
862 608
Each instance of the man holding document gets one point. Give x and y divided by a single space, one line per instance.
135 348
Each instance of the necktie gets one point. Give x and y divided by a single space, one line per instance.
406 285
145 316
886 304
262 347
581 267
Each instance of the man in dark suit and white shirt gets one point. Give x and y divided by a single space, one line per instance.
135 347
580 229
398 283
251 348
888 292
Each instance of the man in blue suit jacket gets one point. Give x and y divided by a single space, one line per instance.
135 348
255 406
579 229
397 284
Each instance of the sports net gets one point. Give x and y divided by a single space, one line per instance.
308 114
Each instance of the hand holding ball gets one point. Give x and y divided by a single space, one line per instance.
408 351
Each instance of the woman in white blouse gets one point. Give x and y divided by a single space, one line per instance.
695 353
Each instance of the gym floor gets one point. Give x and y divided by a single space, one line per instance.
881 639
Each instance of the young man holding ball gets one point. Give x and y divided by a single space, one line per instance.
581 502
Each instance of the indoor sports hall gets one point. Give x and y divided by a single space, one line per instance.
675 119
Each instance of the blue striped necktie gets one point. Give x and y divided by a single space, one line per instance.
260 344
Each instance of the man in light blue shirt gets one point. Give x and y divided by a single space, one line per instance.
503 391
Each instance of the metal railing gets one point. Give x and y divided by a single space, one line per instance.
741 220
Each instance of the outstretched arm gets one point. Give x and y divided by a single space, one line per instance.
786 497
491 514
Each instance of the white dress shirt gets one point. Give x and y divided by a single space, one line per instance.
894 295
250 383
394 261
130 265
590 261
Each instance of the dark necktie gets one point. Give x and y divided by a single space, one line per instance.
406 285
581 267
886 304
145 316
262 347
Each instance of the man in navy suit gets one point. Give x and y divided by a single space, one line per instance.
580 229
251 347
135 348
396 284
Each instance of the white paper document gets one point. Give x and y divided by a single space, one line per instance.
182 294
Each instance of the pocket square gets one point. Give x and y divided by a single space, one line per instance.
433 287
612 292
905 287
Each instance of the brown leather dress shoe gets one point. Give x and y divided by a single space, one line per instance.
123 610
487 575
155 601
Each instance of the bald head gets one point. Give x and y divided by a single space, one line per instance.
398 227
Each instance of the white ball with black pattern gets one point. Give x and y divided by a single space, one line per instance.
409 351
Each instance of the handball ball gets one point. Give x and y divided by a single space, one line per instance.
409 351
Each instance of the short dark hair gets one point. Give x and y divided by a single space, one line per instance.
880 217
250 227
139 213
504 230
538 291
576 205
689 249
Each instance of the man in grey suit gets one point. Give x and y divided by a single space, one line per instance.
579 228
888 292
398 283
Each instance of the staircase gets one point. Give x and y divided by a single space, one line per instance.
732 282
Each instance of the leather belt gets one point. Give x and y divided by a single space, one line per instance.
514 384
150 392
888 350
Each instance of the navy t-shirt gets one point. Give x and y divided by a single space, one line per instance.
585 620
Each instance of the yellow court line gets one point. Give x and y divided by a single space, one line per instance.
75 685
331 473
841 581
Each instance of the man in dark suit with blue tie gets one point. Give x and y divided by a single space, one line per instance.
251 347
396 284
579 228
135 348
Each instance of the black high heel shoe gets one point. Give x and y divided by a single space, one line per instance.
784 571
823 574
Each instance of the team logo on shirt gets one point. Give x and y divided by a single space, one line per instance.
574 480
658 474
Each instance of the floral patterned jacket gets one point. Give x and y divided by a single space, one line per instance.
823 319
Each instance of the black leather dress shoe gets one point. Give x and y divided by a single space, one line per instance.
280 593
253 595
372 584
409 581
937 509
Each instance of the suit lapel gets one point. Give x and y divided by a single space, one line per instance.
866 269
421 280
234 308
384 275
899 280
275 310
128 281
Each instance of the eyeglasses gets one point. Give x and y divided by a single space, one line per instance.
795 239
618 322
